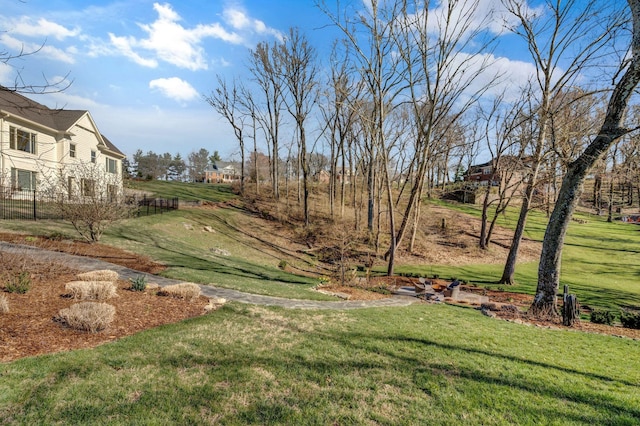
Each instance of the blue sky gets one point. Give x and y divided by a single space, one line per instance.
142 67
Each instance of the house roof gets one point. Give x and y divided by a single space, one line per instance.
57 120
220 165
110 146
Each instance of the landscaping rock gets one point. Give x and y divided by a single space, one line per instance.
488 313
219 251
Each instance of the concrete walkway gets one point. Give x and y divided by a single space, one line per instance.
83 263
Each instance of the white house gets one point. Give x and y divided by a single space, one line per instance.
40 147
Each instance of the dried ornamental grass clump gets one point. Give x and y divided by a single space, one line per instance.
100 275
91 290
88 316
215 303
4 304
188 291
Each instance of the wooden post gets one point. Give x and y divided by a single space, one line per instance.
569 308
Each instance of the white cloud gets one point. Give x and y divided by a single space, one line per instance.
174 88
239 20
125 47
46 50
168 40
25 26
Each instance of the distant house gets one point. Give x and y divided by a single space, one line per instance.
39 144
221 172
484 174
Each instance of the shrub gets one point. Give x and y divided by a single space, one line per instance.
282 264
88 316
100 275
20 284
4 304
91 290
138 283
630 319
601 316
181 291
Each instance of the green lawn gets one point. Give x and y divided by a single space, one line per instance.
601 260
187 191
424 364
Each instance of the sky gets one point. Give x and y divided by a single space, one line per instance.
142 68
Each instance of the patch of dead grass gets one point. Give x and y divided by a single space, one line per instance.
88 316
187 291
91 290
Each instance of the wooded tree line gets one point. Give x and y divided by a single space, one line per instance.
412 94
165 166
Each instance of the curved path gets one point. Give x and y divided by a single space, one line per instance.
83 263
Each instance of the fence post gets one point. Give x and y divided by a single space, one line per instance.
35 216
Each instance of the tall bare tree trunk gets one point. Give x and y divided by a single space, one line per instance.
510 266
544 303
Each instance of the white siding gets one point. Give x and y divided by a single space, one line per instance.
52 150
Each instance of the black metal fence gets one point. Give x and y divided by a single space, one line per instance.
149 206
31 205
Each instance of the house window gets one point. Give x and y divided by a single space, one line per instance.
72 150
111 165
93 157
88 187
22 140
23 180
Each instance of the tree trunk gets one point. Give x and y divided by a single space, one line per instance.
483 222
510 266
544 302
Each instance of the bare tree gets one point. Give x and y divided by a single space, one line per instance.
20 85
266 69
370 33
564 41
441 68
499 132
250 110
612 129
89 198
339 118
297 58
226 101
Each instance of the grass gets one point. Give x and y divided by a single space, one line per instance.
186 191
179 241
244 264
600 260
424 364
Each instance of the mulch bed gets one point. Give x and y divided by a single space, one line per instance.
30 328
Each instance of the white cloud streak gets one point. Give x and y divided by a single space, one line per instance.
25 26
168 40
46 50
174 88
